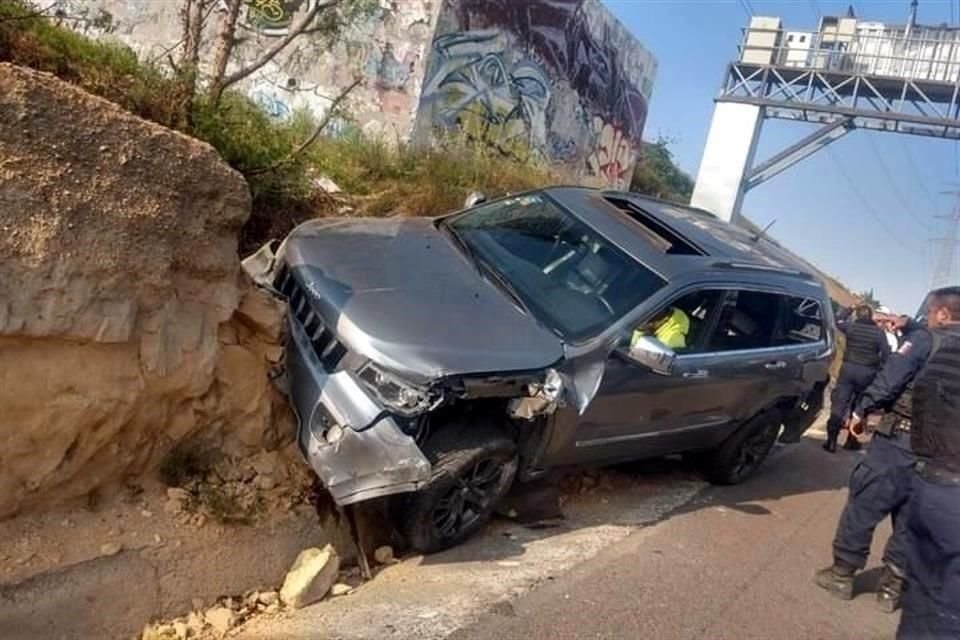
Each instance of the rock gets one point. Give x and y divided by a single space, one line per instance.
112 294
272 608
310 578
177 494
157 539
195 621
264 483
383 555
340 589
268 597
146 513
110 549
180 630
264 463
221 619
326 183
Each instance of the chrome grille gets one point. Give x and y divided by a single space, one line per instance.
325 344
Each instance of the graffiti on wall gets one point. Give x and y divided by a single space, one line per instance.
613 154
490 92
562 77
273 17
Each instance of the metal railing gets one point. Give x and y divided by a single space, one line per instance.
925 54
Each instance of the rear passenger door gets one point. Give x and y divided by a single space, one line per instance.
744 354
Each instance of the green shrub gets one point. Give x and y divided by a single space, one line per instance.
381 179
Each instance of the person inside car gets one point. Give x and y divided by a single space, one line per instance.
670 327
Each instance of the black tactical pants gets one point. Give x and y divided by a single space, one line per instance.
852 381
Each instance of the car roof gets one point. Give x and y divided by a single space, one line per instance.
718 245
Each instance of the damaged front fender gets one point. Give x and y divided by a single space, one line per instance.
357 450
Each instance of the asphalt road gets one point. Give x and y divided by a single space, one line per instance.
736 562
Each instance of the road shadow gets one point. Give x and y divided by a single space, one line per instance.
645 493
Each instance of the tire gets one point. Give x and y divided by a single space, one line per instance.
474 465
742 453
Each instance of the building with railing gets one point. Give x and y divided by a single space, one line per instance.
849 45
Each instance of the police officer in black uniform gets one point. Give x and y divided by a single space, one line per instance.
880 483
867 348
931 604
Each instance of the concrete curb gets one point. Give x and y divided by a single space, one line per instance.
114 596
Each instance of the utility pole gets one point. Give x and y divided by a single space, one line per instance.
947 257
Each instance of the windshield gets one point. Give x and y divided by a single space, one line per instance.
567 275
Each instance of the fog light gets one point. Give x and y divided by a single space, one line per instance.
334 434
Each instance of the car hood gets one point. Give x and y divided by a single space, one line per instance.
400 293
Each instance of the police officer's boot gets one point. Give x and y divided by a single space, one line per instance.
831 444
837 579
890 589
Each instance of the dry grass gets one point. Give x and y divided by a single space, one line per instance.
381 179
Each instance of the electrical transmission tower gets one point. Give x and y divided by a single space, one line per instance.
947 257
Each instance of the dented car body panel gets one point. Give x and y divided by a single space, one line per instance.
355 448
393 319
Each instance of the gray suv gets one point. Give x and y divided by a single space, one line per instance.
440 360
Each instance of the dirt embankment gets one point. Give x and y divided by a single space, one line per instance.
126 326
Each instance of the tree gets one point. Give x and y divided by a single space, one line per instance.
869 299
323 18
658 176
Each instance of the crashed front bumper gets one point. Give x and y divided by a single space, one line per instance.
358 450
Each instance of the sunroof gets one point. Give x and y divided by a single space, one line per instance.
668 240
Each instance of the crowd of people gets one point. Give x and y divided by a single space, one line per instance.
899 389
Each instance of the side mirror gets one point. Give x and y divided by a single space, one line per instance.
474 199
650 353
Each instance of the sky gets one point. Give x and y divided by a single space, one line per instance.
863 209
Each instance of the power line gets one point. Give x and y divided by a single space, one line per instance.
894 185
866 203
747 7
917 174
815 6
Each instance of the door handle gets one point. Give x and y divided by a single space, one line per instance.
699 373
779 364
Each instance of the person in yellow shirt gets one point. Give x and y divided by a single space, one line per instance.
669 327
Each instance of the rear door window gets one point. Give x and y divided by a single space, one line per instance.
801 322
748 320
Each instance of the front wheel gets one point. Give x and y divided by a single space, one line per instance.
742 453
473 468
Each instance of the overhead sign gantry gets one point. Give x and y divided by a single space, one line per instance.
849 74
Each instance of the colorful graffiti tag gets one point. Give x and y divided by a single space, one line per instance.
273 17
613 154
490 92
560 77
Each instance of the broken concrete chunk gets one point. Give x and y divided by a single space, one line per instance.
383 555
221 619
268 597
110 549
340 589
310 578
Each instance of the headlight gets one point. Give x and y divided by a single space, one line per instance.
400 396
